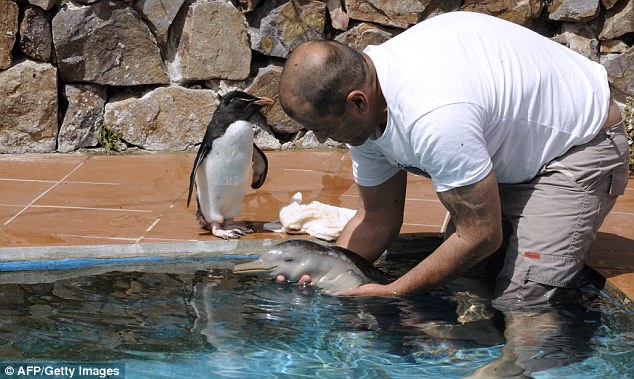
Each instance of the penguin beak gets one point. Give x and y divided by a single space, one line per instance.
264 101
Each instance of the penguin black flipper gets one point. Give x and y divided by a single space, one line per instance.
260 167
202 153
210 135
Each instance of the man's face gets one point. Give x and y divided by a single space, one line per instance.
353 129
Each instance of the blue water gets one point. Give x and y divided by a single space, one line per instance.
196 319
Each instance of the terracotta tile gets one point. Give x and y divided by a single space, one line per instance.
330 160
426 215
149 170
6 213
285 180
111 196
419 229
611 250
420 188
625 202
28 239
48 167
279 199
625 283
179 223
260 206
619 224
55 226
347 200
21 193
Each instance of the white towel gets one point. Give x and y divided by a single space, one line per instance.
317 219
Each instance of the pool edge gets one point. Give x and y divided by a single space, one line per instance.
190 249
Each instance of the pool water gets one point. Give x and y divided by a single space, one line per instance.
194 318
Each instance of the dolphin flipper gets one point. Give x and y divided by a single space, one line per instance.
260 167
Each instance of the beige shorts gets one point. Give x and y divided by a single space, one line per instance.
553 219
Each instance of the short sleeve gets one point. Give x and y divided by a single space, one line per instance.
369 165
451 146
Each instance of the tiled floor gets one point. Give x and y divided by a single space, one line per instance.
80 200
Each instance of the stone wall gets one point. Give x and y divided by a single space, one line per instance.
151 71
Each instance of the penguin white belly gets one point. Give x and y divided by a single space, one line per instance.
223 175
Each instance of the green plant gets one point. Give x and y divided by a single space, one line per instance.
110 139
628 121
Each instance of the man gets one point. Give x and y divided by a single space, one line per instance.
511 127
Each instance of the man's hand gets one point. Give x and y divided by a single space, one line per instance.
305 280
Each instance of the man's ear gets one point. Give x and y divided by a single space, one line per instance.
358 100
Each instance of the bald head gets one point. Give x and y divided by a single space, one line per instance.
318 76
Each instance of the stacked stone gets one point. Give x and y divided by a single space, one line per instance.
153 70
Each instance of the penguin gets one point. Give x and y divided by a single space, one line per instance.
221 167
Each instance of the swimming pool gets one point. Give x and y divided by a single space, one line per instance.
192 318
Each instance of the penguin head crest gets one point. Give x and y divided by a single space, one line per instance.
238 105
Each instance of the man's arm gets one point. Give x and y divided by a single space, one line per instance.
378 219
476 214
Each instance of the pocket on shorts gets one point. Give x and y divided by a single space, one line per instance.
618 181
552 270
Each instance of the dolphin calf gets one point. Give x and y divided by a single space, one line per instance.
331 268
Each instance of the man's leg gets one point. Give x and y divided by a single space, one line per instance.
555 218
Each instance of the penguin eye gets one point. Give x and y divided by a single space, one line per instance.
237 98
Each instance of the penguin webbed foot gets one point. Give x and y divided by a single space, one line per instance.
228 230
225 230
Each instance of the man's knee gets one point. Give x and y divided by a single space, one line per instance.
534 295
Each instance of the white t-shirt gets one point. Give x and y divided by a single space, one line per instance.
467 93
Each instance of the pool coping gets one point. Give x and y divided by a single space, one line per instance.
55 262
34 264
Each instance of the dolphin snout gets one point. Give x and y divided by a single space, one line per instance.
255 267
